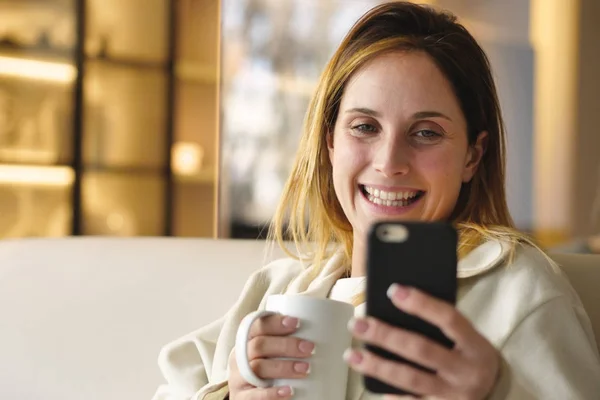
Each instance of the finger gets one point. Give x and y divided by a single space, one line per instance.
274 325
236 381
437 312
408 345
267 369
279 346
272 393
399 375
280 369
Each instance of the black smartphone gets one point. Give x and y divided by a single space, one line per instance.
416 254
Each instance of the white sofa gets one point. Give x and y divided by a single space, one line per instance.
84 318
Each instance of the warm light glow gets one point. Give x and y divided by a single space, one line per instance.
36 176
554 35
187 158
115 221
38 70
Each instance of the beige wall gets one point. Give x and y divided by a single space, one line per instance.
567 104
554 35
564 36
586 169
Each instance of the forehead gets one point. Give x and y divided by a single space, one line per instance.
401 81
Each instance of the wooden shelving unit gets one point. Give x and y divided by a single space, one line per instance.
115 115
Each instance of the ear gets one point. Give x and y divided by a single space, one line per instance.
329 140
475 155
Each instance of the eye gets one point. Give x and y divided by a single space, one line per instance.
364 128
427 134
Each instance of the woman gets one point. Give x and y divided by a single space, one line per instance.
405 125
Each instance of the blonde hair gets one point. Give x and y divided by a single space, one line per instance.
309 213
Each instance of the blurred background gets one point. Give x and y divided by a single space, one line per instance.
182 117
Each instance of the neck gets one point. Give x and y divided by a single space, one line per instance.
359 257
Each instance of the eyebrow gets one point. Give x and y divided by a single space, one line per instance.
417 115
430 114
363 110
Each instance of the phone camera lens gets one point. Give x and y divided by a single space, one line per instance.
392 233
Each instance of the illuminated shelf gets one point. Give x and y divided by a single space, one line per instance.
48 66
29 175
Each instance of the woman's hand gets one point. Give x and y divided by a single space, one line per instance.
269 339
467 372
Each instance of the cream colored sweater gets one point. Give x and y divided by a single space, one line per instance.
527 309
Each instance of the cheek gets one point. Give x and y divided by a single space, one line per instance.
347 157
348 161
442 169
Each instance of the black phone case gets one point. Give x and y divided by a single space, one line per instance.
427 260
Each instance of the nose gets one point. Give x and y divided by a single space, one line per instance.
391 158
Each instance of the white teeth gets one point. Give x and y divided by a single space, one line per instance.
383 195
389 199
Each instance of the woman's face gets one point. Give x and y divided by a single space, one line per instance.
399 148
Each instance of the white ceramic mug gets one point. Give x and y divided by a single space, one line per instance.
323 322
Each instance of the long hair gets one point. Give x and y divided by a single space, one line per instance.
309 212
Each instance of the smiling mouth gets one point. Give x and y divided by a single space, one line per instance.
391 199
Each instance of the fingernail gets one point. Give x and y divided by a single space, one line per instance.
358 325
302 367
285 391
290 322
352 356
306 347
397 292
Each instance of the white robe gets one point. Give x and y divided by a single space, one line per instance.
527 309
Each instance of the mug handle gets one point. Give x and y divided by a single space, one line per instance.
241 350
